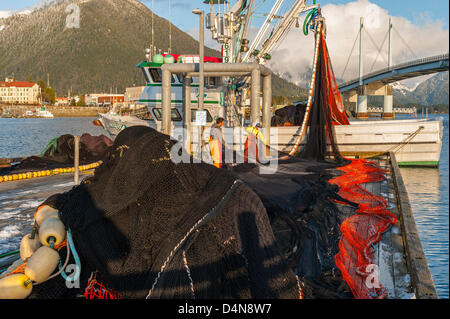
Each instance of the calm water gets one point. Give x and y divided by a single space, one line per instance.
25 137
428 193
428 188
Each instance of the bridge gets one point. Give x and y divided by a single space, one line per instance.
378 82
397 110
433 64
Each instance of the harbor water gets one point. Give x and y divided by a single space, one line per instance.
428 188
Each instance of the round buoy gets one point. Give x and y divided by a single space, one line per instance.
17 286
51 231
169 59
158 58
43 212
42 264
28 246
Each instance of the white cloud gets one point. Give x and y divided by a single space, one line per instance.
294 56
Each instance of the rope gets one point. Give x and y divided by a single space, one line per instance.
311 92
398 146
56 171
52 145
9 253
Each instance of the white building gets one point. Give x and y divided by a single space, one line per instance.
132 95
17 92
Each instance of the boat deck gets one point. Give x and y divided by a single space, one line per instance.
399 256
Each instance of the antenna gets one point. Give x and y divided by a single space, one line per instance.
170 27
153 31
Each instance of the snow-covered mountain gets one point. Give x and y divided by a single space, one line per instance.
432 91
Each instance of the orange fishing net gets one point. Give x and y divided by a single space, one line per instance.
95 289
360 231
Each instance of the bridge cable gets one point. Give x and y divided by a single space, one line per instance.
404 42
374 44
351 52
373 64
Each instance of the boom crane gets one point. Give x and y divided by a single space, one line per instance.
281 29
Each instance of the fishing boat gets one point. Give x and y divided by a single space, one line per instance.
379 253
416 142
42 112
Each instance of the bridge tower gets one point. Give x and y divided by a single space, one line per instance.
373 89
361 103
388 105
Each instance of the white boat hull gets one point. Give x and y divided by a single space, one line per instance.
360 136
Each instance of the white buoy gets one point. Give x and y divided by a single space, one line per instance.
42 264
28 246
16 286
52 229
43 213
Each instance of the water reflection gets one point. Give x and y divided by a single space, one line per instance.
428 195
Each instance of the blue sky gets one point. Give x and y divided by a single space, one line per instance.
422 25
413 10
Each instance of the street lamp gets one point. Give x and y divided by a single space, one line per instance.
202 59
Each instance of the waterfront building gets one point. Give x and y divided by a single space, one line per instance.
19 92
61 101
103 99
132 96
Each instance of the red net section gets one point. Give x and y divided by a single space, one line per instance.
360 231
95 289
334 100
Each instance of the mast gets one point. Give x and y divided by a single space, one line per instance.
170 27
264 28
153 31
244 32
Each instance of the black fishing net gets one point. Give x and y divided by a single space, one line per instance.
60 153
299 199
304 219
156 229
291 115
321 142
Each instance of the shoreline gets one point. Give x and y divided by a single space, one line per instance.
17 111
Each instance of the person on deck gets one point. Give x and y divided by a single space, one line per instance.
255 140
216 144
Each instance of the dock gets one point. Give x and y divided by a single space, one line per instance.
399 256
401 262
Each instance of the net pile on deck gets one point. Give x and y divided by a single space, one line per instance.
298 197
329 254
155 229
60 153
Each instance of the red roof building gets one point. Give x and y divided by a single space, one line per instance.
19 92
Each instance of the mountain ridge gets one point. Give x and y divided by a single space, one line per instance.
98 57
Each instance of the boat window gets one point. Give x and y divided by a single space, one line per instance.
156 74
175 115
208 116
179 78
213 82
